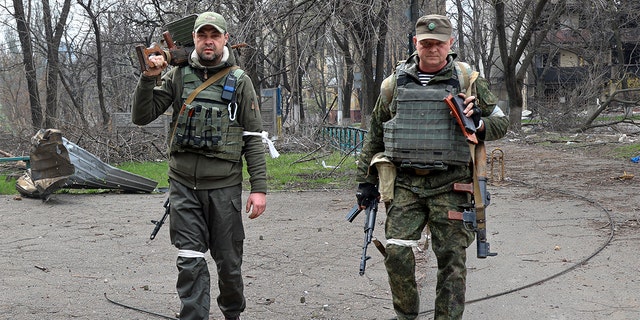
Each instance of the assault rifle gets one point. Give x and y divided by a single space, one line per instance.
481 199
160 222
474 217
369 223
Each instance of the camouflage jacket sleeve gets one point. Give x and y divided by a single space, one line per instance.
373 141
495 121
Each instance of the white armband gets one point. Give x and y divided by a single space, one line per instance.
265 138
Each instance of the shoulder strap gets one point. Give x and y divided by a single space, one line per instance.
207 83
237 72
230 84
466 77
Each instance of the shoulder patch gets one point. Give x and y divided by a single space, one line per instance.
463 71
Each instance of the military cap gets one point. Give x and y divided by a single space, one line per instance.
210 19
433 26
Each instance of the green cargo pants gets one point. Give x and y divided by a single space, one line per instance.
418 201
202 220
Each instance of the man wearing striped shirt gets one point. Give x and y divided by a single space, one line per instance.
411 127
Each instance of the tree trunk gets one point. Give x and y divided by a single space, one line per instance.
511 54
347 88
383 27
460 19
368 82
29 66
52 37
514 91
347 85
106 117
252 63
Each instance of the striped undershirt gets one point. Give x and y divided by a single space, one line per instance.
424 77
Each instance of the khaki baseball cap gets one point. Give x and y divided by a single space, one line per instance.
210 19
433 26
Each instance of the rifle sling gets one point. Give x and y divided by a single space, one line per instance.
478 158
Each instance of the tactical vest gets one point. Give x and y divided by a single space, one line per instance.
208 125
423 134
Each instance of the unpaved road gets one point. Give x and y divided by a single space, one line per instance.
550 222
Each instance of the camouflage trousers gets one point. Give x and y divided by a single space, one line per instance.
410 211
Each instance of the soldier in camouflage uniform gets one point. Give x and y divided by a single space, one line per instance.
412 128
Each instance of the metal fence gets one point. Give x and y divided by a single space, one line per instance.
345 139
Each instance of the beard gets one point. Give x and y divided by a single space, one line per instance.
209 58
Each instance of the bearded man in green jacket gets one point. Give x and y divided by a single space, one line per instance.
213 125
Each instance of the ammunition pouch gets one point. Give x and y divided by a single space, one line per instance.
199 127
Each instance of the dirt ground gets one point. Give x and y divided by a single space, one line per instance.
563 220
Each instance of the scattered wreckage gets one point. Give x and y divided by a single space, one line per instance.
55 163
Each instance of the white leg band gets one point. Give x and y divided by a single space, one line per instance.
190 254
403 243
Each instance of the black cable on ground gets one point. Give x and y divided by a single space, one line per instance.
138 309
578 264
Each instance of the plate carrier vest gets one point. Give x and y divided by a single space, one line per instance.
423 134
208 125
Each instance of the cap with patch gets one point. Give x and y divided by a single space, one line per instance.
210 19
433 26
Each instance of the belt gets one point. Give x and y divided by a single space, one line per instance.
415 171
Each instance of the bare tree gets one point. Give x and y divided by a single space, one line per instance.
249 13
24 34
366 23
341 41
13 113
476 43
618 36
300 33
515 36
53 35
95 26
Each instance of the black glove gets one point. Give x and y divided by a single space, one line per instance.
477 114
366 193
